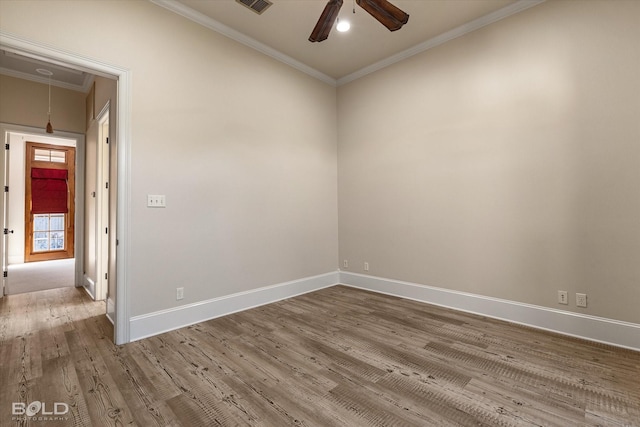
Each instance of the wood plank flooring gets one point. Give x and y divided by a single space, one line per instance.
336 357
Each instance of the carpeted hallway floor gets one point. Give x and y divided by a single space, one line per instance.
39 276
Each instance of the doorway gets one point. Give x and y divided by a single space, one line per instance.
49 202
41 241
121 184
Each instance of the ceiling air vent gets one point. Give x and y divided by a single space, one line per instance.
258 6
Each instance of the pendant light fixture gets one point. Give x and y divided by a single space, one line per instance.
47 73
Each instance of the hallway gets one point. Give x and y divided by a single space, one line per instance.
40 276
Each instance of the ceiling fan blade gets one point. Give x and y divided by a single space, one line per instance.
387 14
325 23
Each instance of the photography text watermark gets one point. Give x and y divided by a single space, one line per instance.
39 411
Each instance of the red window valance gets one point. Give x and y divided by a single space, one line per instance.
49 191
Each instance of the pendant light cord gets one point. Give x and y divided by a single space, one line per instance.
49 128
49 113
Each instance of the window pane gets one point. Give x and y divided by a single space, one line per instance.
57 222
58 156
41 222
56 244
41 154
48 232
40 242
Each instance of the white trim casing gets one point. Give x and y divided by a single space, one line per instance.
158 322
599 329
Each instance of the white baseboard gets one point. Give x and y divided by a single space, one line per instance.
111 310
147 325
89 286
15 259
599 329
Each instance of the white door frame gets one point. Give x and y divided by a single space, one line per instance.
51 54
102 205
4 259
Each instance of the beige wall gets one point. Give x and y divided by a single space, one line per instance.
244 148
26 103
505 163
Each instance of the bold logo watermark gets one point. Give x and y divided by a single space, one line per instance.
39 411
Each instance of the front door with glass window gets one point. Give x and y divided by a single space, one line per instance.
49 202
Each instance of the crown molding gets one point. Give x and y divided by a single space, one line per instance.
460 31
185 11
199 18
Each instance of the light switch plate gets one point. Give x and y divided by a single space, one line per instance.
156 201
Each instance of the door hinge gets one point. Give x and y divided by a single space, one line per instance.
107 140
106 276
6 188
106 185
5 274
6 146
106 230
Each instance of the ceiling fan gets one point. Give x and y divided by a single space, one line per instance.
387 14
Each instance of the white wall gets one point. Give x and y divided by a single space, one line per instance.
505 163
244 148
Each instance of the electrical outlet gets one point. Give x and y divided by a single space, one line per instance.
563 297
366 266
581 300
179 293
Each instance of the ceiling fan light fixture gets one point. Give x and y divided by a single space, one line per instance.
343 26
327 20
384 12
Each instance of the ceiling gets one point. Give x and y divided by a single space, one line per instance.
25 67
282 31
